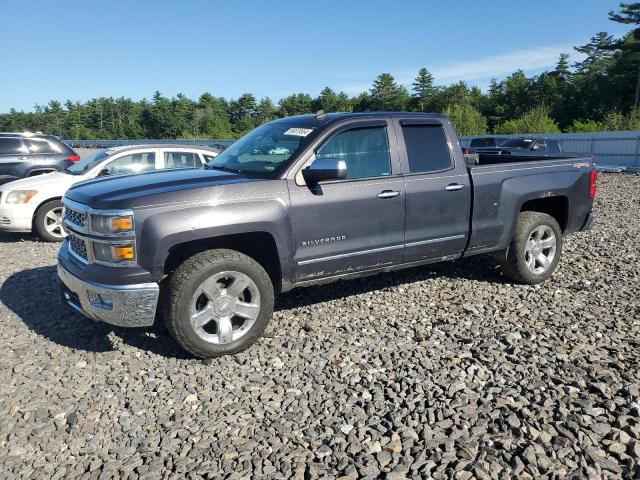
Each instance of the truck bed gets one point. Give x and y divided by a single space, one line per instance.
503 185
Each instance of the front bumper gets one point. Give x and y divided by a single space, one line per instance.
121 305
16 218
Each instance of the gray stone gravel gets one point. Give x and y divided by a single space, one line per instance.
445 371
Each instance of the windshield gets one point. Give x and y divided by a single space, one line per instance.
518 143
86 164
263 150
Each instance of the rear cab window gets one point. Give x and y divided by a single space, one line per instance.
427 148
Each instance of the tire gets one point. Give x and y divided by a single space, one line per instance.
48 228
208 285
523 262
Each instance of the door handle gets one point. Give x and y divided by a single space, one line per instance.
454 187
388 194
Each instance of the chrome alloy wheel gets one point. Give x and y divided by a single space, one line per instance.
53 223
540 249
225 307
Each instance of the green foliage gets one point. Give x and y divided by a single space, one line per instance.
584 126
536 120
423 90
466 119
617 121
387 95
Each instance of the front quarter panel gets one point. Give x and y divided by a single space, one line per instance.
224 210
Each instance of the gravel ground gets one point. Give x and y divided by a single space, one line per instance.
445 371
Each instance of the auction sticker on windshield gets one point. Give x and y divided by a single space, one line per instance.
299 132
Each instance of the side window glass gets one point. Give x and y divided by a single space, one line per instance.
41 147
134 163
12 146
427 148
553 146
364 150
181 160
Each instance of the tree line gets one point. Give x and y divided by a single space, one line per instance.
601 92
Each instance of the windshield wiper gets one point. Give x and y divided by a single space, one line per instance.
224 169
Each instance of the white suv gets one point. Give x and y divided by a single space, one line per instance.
35 203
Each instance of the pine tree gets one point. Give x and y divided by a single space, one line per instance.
387 95
423 89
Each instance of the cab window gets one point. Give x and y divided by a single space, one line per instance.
364 150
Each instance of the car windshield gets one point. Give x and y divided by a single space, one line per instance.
263 150
518 143
86 164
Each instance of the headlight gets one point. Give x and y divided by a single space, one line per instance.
109 224
20 196
114 253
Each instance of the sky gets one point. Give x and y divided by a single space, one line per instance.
78 50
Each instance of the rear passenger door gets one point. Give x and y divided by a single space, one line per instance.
13 158
438 190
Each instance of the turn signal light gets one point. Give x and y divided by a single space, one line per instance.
123 253
121 224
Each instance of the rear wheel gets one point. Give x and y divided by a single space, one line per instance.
48 222
220 302
535 250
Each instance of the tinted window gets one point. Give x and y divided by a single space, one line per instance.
134 163
41 147
553 146
11 146
518 143
365 151
181 160
482 142
427 148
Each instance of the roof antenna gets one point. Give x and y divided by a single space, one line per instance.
321 115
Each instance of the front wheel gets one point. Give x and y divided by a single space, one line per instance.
220 302
535 250
48 222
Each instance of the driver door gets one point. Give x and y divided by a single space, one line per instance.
356 224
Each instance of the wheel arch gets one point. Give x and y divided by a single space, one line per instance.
259 245
37 209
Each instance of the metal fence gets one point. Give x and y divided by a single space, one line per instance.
609 148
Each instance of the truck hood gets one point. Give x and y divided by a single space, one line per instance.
152 188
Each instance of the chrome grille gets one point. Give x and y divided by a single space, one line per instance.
5 221
74 216
78 246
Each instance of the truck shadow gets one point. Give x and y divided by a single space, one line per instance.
33 296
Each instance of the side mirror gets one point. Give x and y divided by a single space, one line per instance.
104 172
325 169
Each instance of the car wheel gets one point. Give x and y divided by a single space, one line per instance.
219 303
535 250
48 222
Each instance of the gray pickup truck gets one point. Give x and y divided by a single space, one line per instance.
301 201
